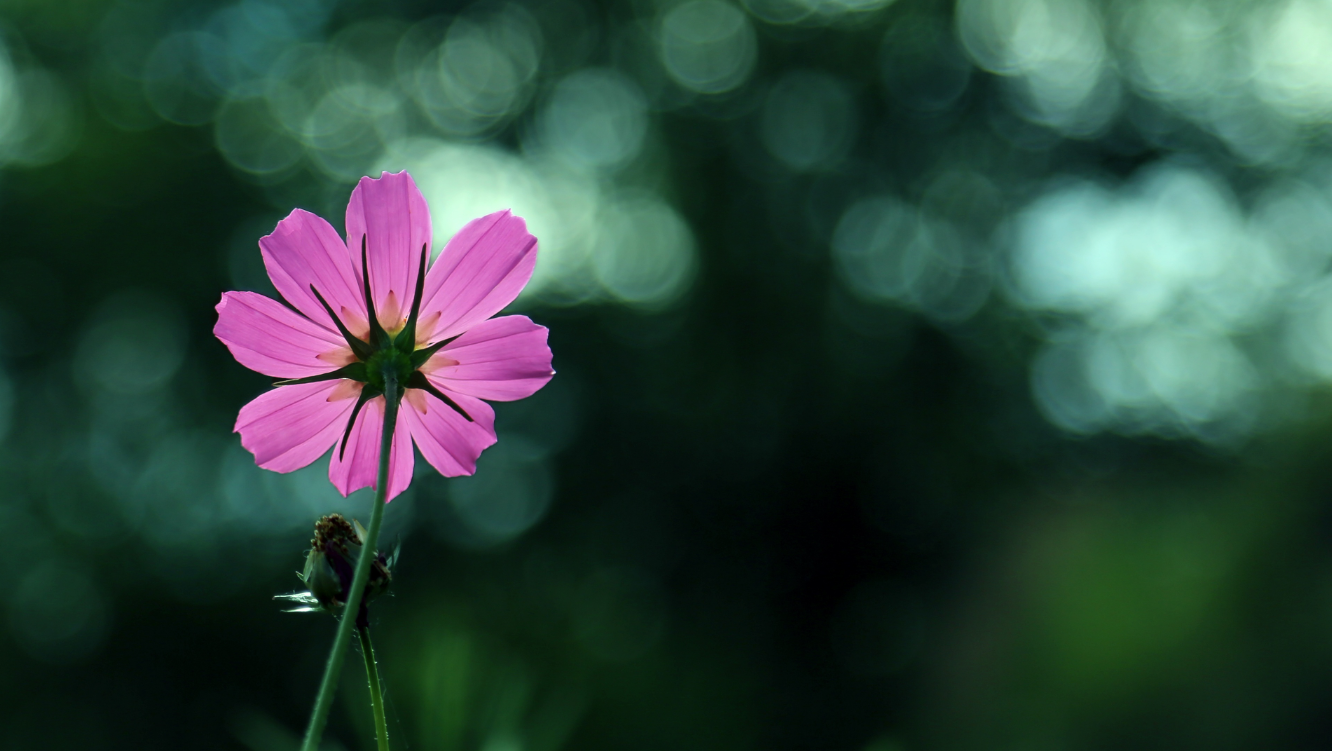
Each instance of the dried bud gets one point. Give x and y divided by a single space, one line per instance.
331 565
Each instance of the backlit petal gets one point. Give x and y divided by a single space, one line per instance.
358 467
304 250
501 359
391 214
291 426
266 336
481 270
450 443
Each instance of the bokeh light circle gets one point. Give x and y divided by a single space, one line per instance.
707 46
809 120
645 254
510 492
597 118
134 344
57 613
250 137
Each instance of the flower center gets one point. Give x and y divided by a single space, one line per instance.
386 361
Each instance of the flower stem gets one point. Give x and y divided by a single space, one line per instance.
324 700
376 694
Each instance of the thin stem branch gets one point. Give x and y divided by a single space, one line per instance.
376 694
324 700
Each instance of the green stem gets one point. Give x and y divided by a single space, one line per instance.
324 700
376 694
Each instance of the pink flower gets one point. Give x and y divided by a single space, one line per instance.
433 326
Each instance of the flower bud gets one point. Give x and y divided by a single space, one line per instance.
331 565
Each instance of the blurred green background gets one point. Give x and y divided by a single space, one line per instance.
931 375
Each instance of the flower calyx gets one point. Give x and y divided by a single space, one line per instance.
386 363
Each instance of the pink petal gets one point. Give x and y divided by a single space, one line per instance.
266 336
501 359
402 460
449 442
481 270
303 251
358 467
391 214
291 426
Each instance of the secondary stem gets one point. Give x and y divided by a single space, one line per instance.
327 687
376 694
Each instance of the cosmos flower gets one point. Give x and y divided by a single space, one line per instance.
431 323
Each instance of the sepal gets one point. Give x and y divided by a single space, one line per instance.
417 380
359 347
420 356
406 339
378 336
355 371
367 393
